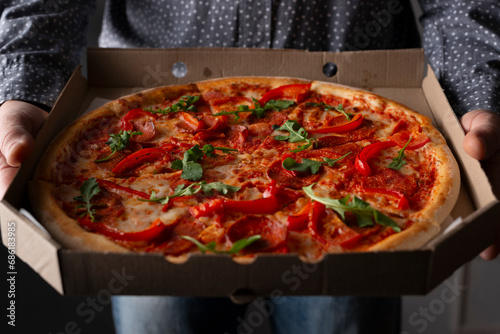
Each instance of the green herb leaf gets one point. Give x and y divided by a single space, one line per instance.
309 165
399 161
88 189
258 111
332 162
118 142
365 214
210 247
186 103
220 187
177 164
297 134
242 243
327 107
192 171
209 149
304 166
182 190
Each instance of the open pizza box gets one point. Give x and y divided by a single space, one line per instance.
401 75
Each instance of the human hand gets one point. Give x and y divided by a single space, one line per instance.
19 124
482 142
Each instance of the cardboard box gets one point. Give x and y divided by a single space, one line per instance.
400 75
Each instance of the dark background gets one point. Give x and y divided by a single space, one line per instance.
40 309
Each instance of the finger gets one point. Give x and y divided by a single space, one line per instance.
482 137
7 173
17 145
20 122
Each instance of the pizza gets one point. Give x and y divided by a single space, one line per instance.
245 166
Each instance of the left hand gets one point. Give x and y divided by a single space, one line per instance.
482 142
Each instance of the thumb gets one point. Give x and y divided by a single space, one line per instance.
17 145
20 122
482 133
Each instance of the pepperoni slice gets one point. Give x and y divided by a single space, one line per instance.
175 245
109 206
147 127
139 120
272 233
418 138
391 179
295 181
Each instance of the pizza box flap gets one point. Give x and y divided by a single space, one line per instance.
156 67
396 74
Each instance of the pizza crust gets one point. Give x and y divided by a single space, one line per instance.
410 239
62 228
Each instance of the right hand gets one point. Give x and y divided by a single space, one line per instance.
19 124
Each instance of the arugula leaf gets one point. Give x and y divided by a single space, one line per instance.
118 142
327 107
297 134
258 111
186 103
309 165
399 161
217 186
210 247
304 166
182 190
331 162
365 214
208 149
88 189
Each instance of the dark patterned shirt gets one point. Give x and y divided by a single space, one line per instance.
41 41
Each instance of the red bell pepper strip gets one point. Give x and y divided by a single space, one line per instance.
268 204
352 242
300 220
138 158
113 187
154 231
191 121
403 203
317 213
368 152
207 209
353 124
295 92
257 206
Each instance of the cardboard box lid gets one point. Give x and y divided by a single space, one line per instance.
395 74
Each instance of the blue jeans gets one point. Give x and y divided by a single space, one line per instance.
287 315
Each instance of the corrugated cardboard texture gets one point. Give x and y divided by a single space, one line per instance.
394 74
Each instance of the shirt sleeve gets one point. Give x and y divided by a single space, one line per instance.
462 44
40 46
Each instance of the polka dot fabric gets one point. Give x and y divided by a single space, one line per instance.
464 52
40 46
462 42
